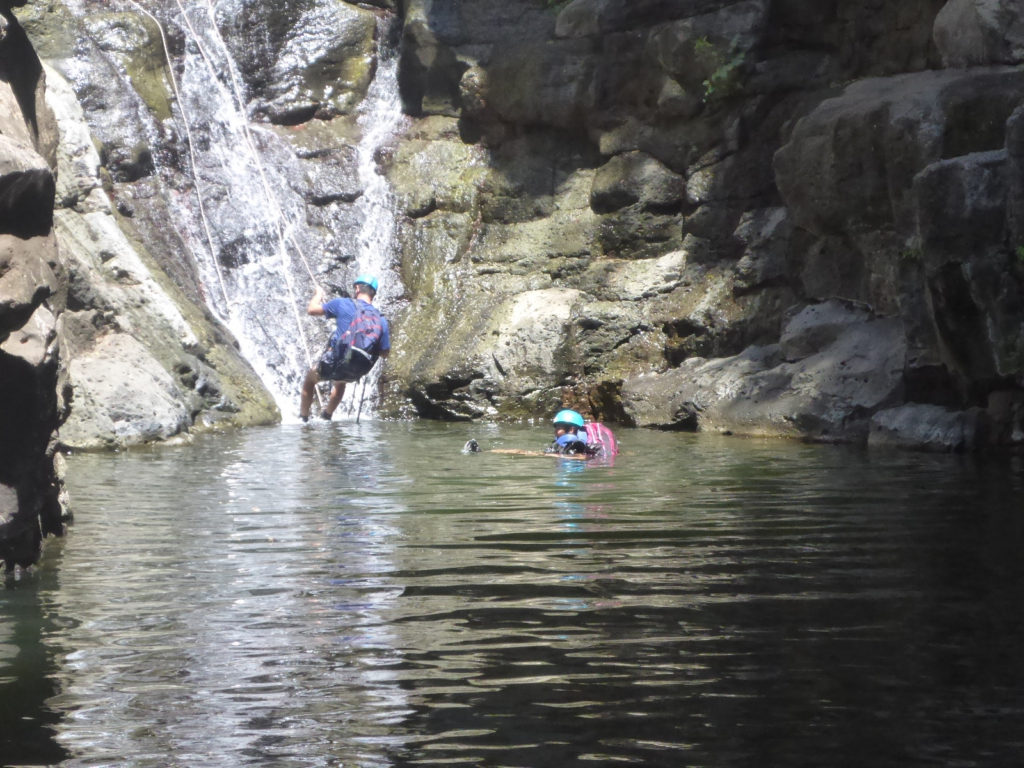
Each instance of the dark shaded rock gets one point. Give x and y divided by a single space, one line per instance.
31 298
928 428
961 206
970 33
766 239
635 178
850 164
26 202
1015 178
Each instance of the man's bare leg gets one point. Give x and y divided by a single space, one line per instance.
337 392
308 390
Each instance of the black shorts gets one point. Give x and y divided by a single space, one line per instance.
352 365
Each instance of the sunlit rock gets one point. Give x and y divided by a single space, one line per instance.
835 367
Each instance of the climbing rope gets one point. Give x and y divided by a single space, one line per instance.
191 151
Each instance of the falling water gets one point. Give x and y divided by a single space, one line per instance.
258 257
380 119
246 210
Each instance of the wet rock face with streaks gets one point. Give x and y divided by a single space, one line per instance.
192 205
142 361
300 59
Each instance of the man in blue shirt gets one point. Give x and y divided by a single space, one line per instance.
360 337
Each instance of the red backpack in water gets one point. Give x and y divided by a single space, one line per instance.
602 439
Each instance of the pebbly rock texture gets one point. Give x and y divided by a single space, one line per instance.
799 217
32 301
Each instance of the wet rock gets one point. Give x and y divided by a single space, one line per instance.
301 60
980 32
125 318
835 367
922 427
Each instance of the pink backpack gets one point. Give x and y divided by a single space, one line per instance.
602 438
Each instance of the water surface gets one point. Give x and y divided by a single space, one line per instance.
367 595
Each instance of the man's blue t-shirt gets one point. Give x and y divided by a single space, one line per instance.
344 310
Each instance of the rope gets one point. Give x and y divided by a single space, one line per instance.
191 152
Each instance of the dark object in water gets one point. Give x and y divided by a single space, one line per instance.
471 446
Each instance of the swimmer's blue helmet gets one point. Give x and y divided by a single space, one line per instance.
366 279
568 417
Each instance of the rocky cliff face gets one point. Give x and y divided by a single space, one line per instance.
145 358
32 300
99 347
787 217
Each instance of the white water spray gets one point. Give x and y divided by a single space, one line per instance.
380 119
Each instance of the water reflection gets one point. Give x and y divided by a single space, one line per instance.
27 668
368 595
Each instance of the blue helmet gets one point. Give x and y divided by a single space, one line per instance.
366 279
569 417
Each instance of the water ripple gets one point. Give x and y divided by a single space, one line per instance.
366 595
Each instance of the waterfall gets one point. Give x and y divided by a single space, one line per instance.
258 257
380 119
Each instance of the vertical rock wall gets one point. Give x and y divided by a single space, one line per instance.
32 297
693 176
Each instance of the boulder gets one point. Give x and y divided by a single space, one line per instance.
849 165
836 365
980 32
533 328
121 395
